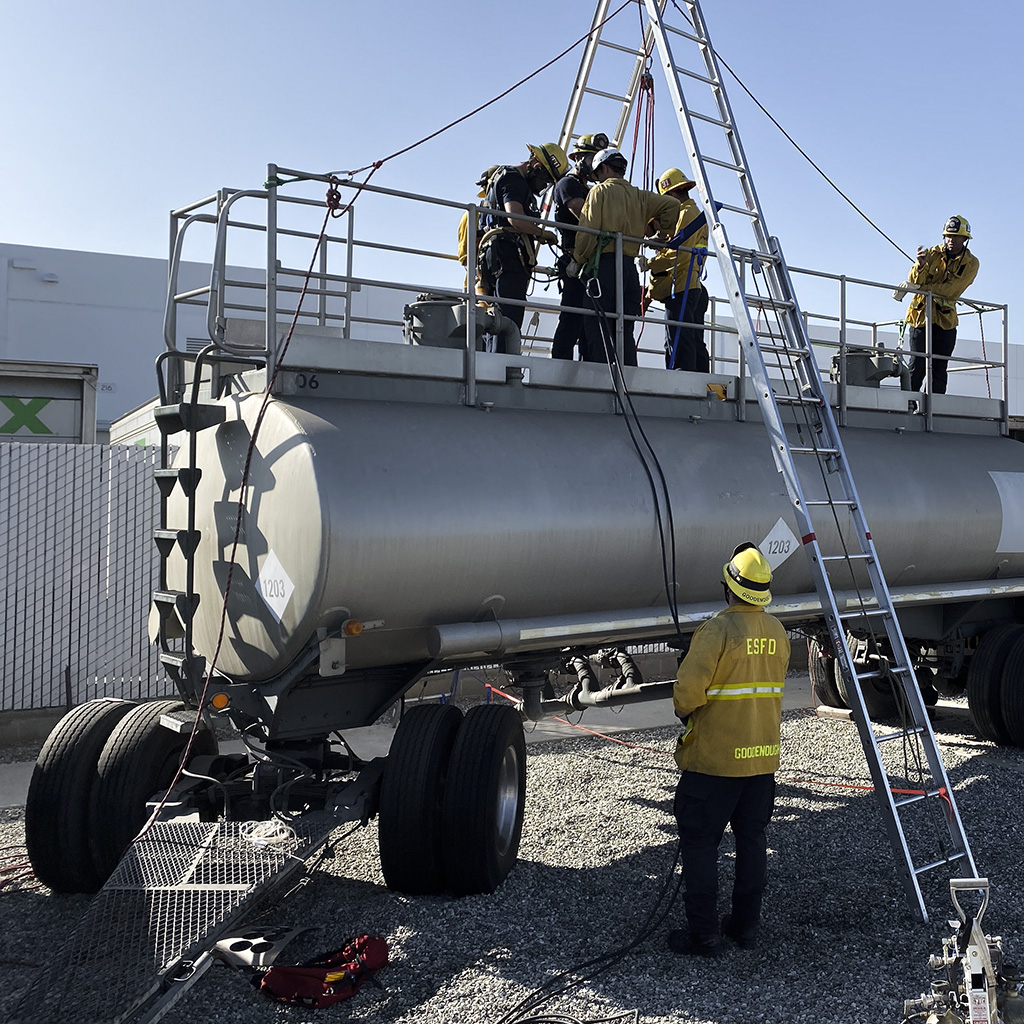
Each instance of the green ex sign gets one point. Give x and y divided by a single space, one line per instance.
24 413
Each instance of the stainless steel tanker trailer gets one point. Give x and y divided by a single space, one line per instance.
344 517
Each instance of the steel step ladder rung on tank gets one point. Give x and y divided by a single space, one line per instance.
717 159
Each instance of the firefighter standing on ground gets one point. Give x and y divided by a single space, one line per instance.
570 194
614 205
508 246
675 279
947 271
728 694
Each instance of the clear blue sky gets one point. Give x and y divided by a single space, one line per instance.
116 111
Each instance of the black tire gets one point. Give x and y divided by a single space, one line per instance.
138 761
822 669
880 698
484 799
985 681
411 795
926 684
1011 693
57 823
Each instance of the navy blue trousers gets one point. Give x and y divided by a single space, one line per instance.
704 805
607 274
688 342
943 343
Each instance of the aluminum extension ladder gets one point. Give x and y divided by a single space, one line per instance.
851 556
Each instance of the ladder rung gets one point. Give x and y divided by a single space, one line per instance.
940 863
725 164
870 675
685 35
607 95
814 451
764 303
708 119
752 214
837 501
866 613
621 48
693 74
801 400
916 731
844 558
767 346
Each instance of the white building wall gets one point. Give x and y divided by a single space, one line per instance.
64 306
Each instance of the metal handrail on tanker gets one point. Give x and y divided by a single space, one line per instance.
226 281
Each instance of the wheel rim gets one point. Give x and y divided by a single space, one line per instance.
508 800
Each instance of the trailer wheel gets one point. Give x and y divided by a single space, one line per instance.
1011 696
985 680
57 824
926 684
484 799
138 761
411 793
823 670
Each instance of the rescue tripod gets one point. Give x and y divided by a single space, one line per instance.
859 616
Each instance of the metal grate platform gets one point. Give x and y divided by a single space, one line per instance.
173 893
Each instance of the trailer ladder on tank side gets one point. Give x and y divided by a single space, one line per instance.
851 556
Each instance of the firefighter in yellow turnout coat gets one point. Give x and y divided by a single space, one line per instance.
728 694
947 271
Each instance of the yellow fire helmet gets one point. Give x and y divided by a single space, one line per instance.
674 178
747 574
957 225
587 144
551 157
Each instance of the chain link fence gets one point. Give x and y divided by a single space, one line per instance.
77 568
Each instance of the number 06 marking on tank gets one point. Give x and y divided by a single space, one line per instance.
274 586
779 544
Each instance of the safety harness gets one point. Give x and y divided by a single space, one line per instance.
498 228
700 255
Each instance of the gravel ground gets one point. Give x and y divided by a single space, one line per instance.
838 942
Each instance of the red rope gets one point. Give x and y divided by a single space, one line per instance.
19 871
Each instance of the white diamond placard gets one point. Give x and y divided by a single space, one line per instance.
274 585
779 544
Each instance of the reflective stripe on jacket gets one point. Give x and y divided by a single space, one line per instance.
946 279
669 266
730 684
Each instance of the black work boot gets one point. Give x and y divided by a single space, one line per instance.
745 938
681 942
